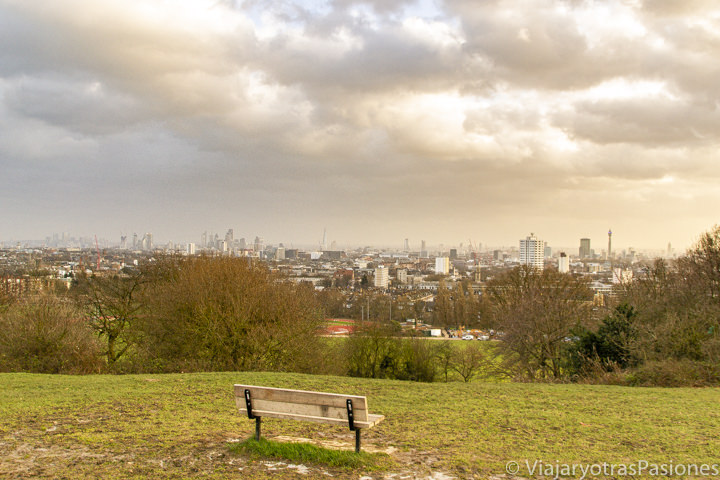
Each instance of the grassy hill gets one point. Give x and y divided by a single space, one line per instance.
179 425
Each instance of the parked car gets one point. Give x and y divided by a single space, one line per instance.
467 336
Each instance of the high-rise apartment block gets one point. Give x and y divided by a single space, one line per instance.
381 277
442 265
532 252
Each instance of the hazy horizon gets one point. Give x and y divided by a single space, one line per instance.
378 120
415 245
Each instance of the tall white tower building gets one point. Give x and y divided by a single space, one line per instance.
563 263
381 277
532 252
442 265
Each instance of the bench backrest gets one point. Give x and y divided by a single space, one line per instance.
300 404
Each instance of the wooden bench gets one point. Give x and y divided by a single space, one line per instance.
333 408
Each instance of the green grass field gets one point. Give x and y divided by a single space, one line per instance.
179 426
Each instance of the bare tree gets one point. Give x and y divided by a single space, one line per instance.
702 264
444 311
444 355
113 305
469 361
536 312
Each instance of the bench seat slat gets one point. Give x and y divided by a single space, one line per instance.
304 409
308 418
375 419
301 396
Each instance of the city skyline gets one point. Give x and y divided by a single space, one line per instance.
447 121
137 241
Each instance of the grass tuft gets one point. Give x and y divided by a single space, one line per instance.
306 452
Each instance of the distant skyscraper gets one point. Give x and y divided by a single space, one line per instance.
532 251
381 277
229 237
423 249
563 263
190 249
407 245
203 240
609 251
259 244
442 265
135 242
584 247
147 241
453 253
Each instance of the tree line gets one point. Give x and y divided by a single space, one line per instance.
175 314
205 313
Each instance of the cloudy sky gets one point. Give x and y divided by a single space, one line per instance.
379 120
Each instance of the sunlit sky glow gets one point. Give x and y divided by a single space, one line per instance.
377 120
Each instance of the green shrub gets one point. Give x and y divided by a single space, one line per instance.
607 349
376 351
675 373
207 314
47 335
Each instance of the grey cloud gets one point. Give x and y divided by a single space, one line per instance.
85 106
380 6
183 125
547 50
650 122
386 61
677 7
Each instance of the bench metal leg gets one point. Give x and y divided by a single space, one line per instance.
257 428
357 441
